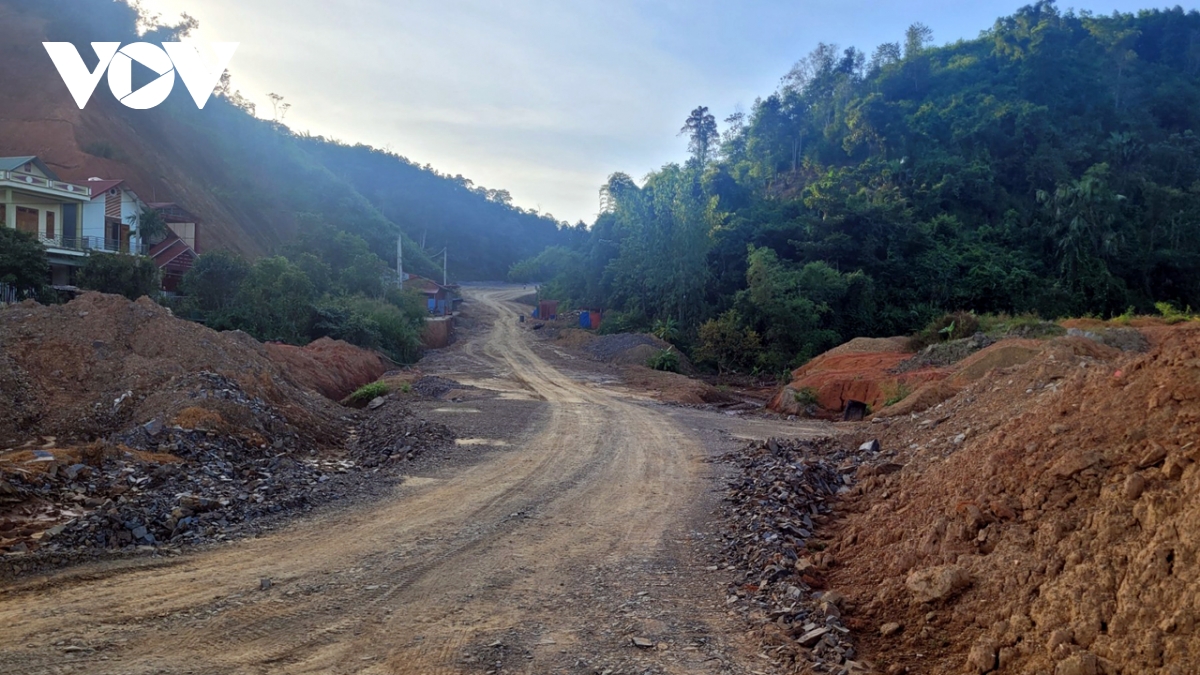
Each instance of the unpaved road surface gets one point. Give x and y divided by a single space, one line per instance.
546 555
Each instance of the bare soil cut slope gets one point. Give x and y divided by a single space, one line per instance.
1063 493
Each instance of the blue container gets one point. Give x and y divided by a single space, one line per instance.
535 312
585 319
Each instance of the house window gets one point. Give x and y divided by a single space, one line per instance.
50 225
27 220
3 215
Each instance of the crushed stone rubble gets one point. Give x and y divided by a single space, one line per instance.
125 429
156 484
784 491
433 386
609 347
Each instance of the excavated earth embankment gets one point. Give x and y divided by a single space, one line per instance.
122 427
1041 517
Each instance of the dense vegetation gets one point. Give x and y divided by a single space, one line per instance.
23 265
326 284
1049 166
277 182
129 275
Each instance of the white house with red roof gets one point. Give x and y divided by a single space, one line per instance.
34 200
74 219
108 219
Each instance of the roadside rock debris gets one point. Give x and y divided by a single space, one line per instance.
153 484
124 429
433 386
783 493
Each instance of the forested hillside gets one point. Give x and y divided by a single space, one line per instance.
1049 166
255 184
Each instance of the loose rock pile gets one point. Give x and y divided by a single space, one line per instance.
784 492
613 347
124 427
391 432
169 485
432 386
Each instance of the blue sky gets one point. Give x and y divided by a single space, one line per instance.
545 98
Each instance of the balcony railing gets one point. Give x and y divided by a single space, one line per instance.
38 181
99 244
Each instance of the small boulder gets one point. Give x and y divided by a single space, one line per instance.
937 583
1074 462
1135 484
870 446
1154 455
1082 663
1057 637
834 597
812 637
982 657
889 629
376 402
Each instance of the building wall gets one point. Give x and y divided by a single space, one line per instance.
14 199
131 208
438 331
93 219
186 232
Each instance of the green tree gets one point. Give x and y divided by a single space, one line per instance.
666 329
701 130
275 302
129 275
212 284
791 307
1083 213
149 225
915 38
23 262
727 344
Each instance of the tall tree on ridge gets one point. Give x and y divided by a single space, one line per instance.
701 128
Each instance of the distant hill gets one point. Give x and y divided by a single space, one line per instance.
254 184
1050 166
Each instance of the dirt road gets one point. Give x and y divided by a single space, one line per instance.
545 557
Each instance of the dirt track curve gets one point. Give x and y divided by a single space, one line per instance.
430 580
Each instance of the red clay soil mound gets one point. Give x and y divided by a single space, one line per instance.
1005 354
101 363
864 345
332 367
864 370
1046 520
837 377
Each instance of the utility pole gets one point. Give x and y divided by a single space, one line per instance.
444 266
400 260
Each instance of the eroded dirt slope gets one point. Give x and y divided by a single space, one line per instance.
1045 520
